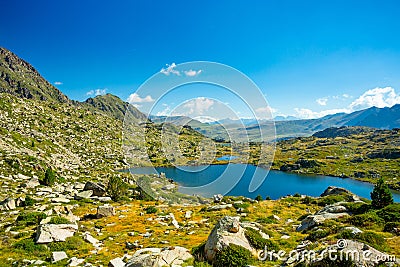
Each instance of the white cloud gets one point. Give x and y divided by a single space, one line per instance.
265 112
322 101
58 83
135 98
97 92
170 69
165 112
378 97
198 105
305 113
346 96
192 73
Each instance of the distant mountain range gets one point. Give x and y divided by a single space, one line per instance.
19 78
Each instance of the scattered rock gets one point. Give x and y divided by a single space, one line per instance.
218 198
168 187
329 212
188 214
88 238
8 204
74 261
83 194
117 262
105 211
32 183
47 233
354 230
98 189
276 217
58 256
155 257
174 221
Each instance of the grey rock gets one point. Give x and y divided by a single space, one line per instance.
47 233
354 230
58 256
155 257
32 183
105 211
333 190
74 261
168 187
334 211
218 198
222 235
188 214
98 189
117 262
8 204
83 195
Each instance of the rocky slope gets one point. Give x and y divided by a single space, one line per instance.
19 78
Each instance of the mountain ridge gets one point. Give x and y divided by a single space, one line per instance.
31 86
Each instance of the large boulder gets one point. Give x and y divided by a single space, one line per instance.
8 204
47 233
333 190
83 195
227 231
105 211
98 189
333 211
155 257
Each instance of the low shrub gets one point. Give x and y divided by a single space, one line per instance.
366 219
392 227
357 207
73 243
243 205
59 220
390 213
267 220
259 198
233 256
30 218
150 209
28 201
30 247
198 252
49 178
318 234
258 242
116 188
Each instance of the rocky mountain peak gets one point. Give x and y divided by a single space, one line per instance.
19 78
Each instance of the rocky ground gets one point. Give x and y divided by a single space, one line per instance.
77 224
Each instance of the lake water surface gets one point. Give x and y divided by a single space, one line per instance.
276 184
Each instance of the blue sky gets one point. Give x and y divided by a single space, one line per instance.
309 58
